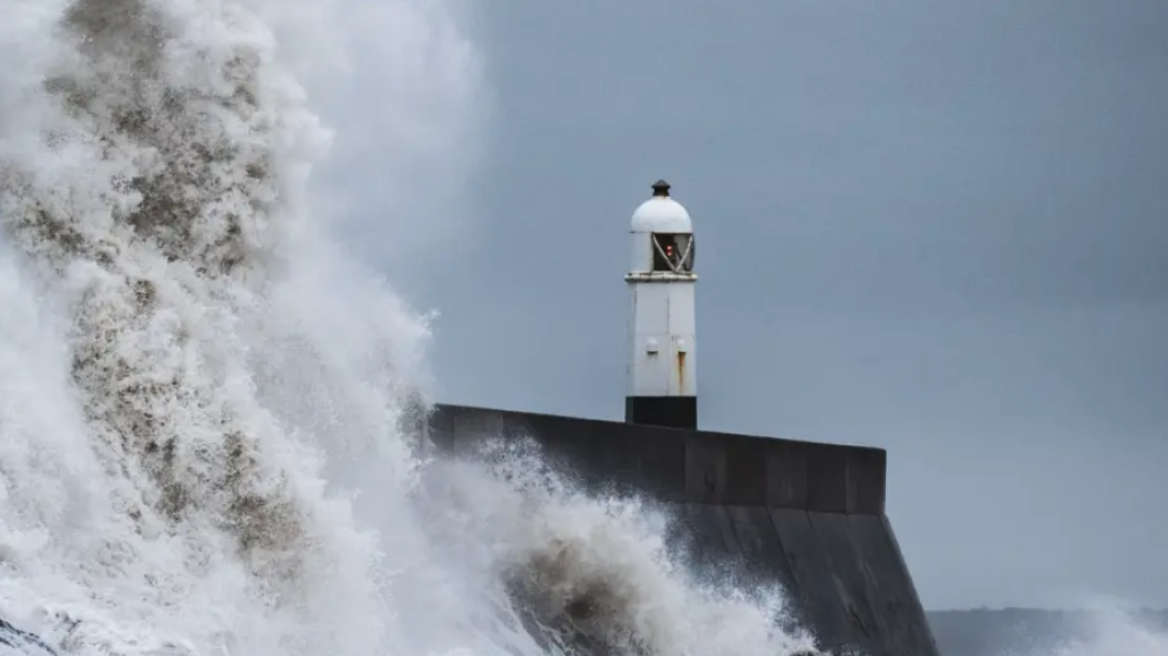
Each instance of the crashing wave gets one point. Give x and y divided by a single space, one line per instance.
196 380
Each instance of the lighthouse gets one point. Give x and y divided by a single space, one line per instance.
662 372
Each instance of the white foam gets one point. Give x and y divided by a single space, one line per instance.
1102 628
599 564
202 390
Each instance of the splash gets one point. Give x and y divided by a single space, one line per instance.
595 574
1104 628
1110 630
204 396
154 458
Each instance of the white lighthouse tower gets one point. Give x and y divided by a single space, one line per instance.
662 372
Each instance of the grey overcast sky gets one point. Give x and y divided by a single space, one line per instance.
938 228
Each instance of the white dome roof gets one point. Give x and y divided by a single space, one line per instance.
661 213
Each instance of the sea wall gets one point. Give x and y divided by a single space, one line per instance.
810 516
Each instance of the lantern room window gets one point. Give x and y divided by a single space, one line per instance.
673 252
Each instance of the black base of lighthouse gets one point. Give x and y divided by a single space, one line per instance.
668 411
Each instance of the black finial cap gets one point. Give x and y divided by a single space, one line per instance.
661 189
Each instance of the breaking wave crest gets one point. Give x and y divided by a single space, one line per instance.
1105 627
1109 630
593 574
204 398
151 163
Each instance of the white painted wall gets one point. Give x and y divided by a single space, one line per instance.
662 338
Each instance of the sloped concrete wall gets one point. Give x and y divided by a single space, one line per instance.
810 516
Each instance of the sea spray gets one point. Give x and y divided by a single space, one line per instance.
203 395
153 207
594 570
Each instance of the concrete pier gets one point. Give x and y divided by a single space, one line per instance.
810 516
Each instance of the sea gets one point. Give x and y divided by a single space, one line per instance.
207 384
